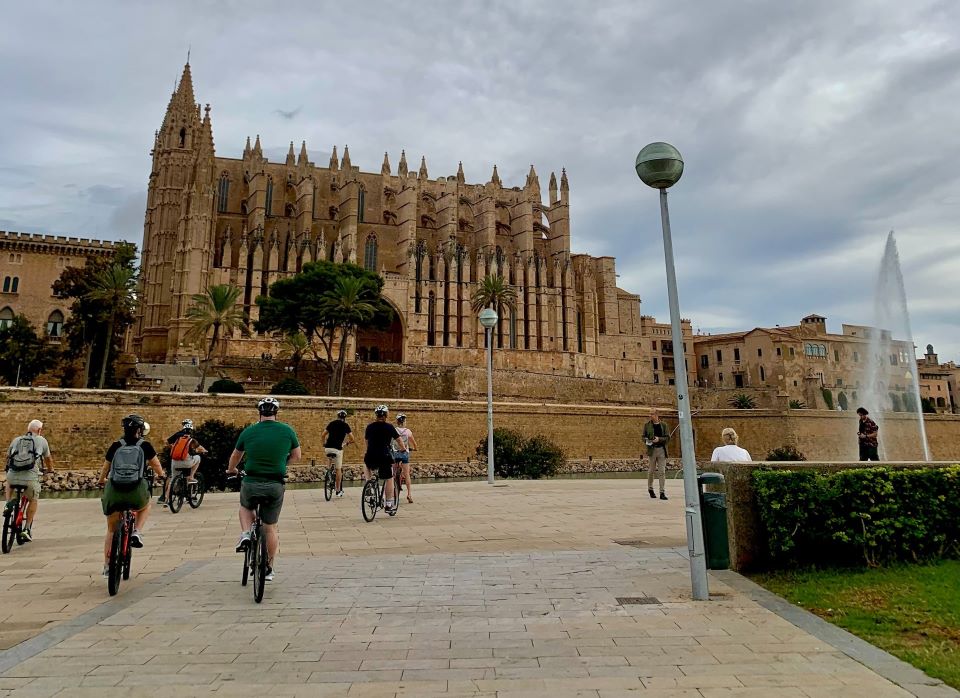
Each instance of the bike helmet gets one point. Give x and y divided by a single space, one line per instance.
401 418
342 414
381 411
187 424
268 406
132 422
146 429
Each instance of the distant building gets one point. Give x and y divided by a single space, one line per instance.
658 342
938 382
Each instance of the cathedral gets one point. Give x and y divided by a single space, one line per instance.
247 222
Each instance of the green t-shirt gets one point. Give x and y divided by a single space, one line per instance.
267 445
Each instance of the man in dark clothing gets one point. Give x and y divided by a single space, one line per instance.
337 435
867 435
655 437
379 457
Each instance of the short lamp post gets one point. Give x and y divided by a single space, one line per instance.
660 166
488 318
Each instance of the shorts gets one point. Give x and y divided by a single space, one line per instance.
185 464
401 456
338 452
114 500
27 478
269 495
382 466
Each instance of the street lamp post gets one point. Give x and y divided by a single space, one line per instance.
488 318
660 166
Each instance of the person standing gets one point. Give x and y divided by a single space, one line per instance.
26 459
867 433
655 436
730 452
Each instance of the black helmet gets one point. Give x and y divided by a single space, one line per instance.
132 422
268 406
342 414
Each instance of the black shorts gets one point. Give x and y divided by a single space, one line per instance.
269 495
382 465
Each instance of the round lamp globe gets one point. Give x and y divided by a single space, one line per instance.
488 317
659 165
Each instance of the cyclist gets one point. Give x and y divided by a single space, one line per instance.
336 436
378 458
126 462
26 458
269 445
402 458
184 455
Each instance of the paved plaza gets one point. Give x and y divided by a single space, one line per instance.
521 590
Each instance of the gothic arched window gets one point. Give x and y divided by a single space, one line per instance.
6 284
223 192
15 286
370 253
183 138
6 318
431 319
55 324
361 205
269 203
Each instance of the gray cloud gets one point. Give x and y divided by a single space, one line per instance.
809 130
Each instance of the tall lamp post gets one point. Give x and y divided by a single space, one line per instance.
660 166
488 318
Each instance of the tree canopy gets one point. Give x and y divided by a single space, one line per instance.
24 354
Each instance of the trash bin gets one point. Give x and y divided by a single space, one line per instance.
713 516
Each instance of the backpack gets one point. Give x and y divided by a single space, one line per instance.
181 448
23 457
126 468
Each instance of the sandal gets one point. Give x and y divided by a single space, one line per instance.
410 500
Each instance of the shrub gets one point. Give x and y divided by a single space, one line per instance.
519 457
842 401
218 438
785 453
289 386
928 405
742 401
877 515
827 397
798 405
225 385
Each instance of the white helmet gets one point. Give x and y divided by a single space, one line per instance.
187 424
381 411
146 428
268 406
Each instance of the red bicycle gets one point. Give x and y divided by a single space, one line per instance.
14 514
121 552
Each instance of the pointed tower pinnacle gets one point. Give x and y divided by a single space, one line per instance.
345 163
460 178
246 150
334 161
185 87
291 158
423 167
206 131
533 182
402 169
553 187
385 167
564 185
257 150
303 160
495 177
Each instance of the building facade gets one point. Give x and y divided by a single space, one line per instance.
247 222
938 382
29 265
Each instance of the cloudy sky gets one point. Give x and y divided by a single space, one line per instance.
809 130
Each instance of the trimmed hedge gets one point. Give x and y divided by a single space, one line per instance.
876 515
227 386
519 457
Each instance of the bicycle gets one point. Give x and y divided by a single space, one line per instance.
182 490
330 478
14 515
372 497
255 560
121 552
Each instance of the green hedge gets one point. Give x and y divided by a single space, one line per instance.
874 515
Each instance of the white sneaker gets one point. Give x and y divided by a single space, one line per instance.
106 570
244 542
136 539
340 493
268 577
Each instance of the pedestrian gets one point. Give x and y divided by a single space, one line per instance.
655 436
867 435
730 452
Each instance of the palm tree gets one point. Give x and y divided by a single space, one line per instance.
114 286
494 293
351 302
295 346
215 310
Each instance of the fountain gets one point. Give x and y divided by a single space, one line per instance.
893 383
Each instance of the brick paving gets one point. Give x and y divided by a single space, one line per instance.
471 591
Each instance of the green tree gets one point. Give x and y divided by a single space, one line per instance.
295 347
24 354
328 303
114 287
798 405
493 292
214 312
742 401
83 330
827 397
842 401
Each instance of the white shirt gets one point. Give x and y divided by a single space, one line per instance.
730 453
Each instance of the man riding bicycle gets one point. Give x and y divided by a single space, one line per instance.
126 488
336 436
185 454
269 445
402 458
26 458
379 458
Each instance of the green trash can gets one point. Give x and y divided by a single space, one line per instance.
713 515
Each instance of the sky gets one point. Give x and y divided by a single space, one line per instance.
808 130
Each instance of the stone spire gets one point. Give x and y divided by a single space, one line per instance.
206 132
385 167
460 178
423 167
303 160
246 150
402 169
291 157
553 187
345 163
185 87
533 182
495 177
257 150
564 185
334 161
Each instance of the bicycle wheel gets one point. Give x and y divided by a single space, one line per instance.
177 494
397 479
246 567
260 567
115 563
126 562
196 493
329 482
369 500
9 529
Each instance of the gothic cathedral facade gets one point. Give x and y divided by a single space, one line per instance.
248 222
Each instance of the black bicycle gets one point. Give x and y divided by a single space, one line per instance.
372 498
182 490
255 560
330 478
121 552
14 515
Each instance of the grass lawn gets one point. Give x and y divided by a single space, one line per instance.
911 611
